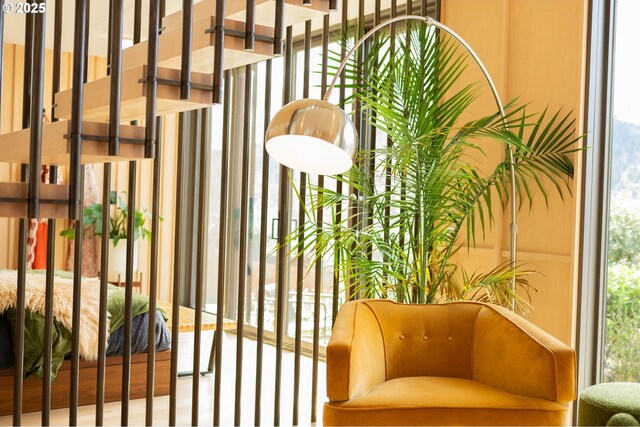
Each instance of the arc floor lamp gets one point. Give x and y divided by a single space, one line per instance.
315 136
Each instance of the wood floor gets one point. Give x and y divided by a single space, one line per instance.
86 414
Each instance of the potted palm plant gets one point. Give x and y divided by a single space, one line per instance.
92 217
411 201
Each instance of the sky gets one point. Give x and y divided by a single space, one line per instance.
626 94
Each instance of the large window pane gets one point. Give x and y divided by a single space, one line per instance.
622 345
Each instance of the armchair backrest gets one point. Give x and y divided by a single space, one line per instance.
379 340
426 340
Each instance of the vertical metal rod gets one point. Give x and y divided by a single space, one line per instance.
26 84
278 30
87 13
115 68
152 79
77 302
177 279
152 150
371 128
75 178
284 197
319 222
423 9
109 35
222 248
200 279
128 299
51 228
18 349
35 151
387 173
104 261
156 12
242 261
354 206
131 209
197 335
137 21
57 55
264 210
403 186
51 233
104 288
250 26
336 255
299 291
48 311
153 273
218 56
300 256
187 30
37 95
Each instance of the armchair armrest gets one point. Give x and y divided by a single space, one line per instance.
514 355
355 353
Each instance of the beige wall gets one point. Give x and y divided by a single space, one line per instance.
535 51
12 120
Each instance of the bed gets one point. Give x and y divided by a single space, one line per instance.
61 369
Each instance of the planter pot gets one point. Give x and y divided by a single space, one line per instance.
118 260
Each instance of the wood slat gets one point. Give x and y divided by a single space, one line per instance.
187 319
14 146
294 12
133 103
20 190
202 48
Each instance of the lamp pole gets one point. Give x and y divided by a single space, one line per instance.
513 229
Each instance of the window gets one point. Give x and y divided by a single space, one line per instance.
622 322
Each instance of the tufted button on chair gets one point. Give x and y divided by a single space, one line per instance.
461 363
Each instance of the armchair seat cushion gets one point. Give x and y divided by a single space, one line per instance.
442 401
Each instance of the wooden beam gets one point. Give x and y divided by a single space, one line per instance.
14 147
96 95
202 51
48 193
294 12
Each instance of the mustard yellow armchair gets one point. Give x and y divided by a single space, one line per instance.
461 363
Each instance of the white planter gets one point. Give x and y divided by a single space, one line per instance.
118 260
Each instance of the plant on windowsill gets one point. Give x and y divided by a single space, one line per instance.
92 217
409 203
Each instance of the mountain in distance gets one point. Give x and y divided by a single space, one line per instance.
625 159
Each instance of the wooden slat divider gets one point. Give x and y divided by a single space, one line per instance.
294 12
56 150
96 96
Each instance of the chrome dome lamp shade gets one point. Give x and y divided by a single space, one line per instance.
312 136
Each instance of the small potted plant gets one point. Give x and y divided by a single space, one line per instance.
92 217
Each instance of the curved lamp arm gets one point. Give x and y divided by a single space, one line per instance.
430 21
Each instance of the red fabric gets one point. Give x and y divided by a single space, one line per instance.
40 260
